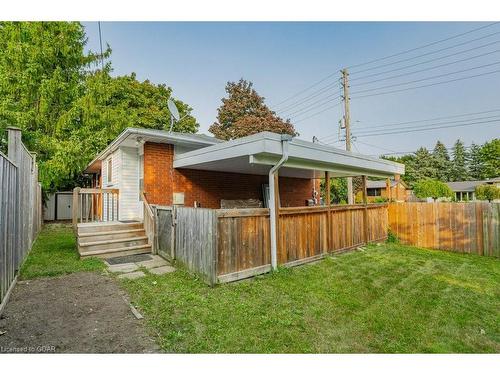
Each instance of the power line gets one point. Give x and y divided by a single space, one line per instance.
306 89
430 119
317 113
100 43
427 78
384 58
424 46
368 131
428 85
369 127
307 98
426 129
430 68
319 104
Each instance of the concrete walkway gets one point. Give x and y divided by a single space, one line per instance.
156 265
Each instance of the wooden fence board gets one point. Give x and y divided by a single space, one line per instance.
471 227
20 211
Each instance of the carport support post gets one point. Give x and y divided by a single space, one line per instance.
328 203
365 211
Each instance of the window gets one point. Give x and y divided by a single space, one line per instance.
373 192
141 176
110 171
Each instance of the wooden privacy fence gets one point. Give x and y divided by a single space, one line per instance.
20 210
232 244
472 227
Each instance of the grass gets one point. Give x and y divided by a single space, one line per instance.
389 298
54 253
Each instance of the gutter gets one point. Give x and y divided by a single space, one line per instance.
273 210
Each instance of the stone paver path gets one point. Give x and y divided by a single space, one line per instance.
157 265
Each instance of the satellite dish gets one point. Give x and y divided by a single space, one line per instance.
173 109
174 113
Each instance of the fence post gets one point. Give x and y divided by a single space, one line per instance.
365 211
76 193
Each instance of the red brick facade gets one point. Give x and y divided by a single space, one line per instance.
161 180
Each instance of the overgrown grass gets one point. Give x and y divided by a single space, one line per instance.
389 298
54 253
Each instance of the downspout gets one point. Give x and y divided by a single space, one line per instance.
285 139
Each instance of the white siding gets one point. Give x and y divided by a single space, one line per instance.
114 183
129 184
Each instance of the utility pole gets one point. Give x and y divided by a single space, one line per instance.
347 124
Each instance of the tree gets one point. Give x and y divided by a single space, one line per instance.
441 162
490 159
67 108
475 164
458 170
432 188
487 192
338 190
244 113
424 166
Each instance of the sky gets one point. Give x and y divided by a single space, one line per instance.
283 59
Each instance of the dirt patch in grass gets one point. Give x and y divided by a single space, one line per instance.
79 313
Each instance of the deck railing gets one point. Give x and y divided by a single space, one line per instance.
91 205
149 223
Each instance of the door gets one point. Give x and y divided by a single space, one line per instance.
64 202
165 232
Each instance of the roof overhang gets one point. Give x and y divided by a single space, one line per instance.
130 136
255 154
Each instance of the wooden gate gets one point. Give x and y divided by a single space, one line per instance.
165 232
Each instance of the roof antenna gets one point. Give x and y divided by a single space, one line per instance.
174 113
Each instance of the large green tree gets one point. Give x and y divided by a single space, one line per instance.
68 107
244 113
441 162
490 159
458 170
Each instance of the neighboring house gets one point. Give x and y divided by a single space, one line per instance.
200 171
378 190
465 190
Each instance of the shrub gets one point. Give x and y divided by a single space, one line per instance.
487 192
391 237
432 188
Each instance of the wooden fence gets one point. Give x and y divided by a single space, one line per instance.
20 210
458 227
231 244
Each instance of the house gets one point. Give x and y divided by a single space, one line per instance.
379 190
465 190
144 167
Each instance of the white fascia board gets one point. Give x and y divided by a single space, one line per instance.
265 148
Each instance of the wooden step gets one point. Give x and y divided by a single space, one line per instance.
110 253
112 244
111 235
84 228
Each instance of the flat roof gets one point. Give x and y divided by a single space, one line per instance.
255 154
470 185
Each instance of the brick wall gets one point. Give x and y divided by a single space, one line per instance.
207 187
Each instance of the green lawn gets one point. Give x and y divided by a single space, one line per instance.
389 298
54 253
